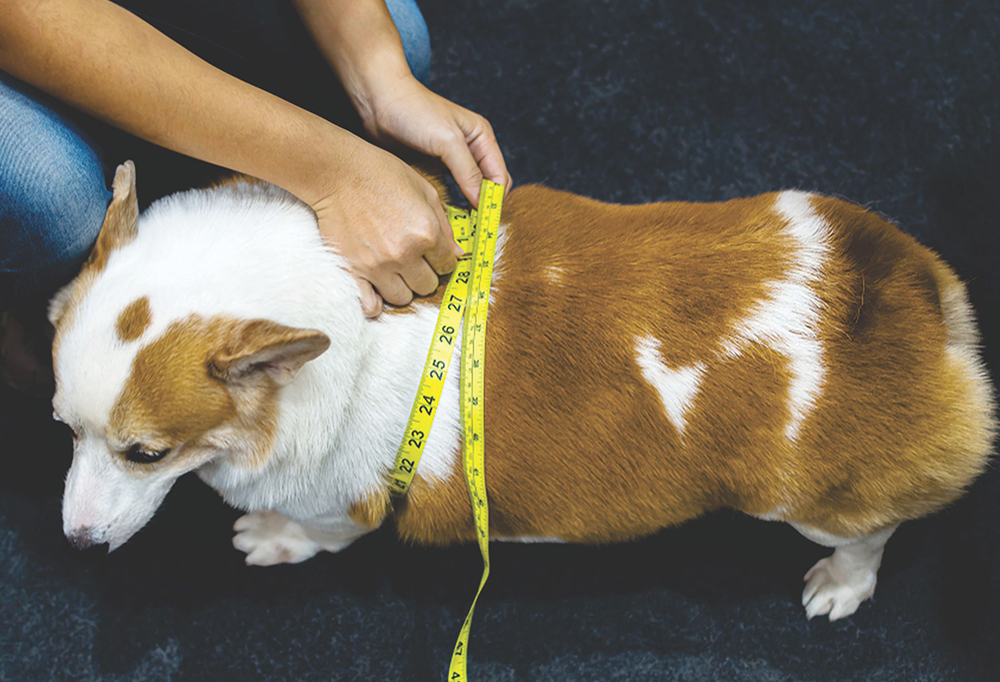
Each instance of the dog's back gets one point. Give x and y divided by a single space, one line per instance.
792 356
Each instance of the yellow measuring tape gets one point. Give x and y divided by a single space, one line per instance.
468 289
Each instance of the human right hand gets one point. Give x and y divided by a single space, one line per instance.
401 110
388 223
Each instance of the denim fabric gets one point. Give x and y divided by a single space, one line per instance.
413 32
52 195
53 191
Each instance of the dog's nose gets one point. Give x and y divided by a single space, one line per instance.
81 538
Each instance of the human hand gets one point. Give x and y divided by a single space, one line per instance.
401 110
388 223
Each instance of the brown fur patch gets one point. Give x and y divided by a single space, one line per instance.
134 319
578 443
172 397
121 224
256 347
236 179
370 510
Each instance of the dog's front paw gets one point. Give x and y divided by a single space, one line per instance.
836 590
270 538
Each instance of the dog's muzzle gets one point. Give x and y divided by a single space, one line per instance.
82 538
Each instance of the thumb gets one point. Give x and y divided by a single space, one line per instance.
463 166
371 302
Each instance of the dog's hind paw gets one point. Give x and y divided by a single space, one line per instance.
270 538
832 589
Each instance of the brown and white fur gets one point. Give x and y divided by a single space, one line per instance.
791 356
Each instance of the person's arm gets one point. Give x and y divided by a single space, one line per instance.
381 215
361 44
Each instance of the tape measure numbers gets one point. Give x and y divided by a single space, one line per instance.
468 290
473 388
418 427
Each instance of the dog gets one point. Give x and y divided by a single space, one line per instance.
791 356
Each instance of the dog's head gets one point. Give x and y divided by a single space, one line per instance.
153 389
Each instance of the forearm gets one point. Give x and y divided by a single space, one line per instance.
108 62
360 42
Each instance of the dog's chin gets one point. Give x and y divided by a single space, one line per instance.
116 536
113 538
118 542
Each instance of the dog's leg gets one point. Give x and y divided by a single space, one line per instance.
839 583
270 538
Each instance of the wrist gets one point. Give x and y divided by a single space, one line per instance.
370 81
317 159
360 42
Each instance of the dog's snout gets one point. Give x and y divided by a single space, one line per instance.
81 538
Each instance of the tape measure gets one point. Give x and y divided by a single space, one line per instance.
418 427
468 290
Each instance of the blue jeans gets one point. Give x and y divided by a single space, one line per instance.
55 162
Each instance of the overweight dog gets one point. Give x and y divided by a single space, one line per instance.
791 356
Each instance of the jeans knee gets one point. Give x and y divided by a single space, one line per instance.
52 198
413 32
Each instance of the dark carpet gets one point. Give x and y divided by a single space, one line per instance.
894 105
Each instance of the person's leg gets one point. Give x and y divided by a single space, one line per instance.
52 196
52 203
413 31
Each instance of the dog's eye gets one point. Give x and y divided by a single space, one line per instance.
141 455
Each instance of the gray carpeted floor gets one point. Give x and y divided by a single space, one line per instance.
894 105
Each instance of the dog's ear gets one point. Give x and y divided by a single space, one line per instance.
261 348
59 303
121 224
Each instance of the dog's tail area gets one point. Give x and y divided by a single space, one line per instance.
956 308
964 349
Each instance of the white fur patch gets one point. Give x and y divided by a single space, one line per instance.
248 252
779 513
677 388
498 261
787 320
103 500
838 584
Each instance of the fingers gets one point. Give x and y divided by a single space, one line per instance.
427 248
371 302
408 263
484 148
394 290
462 164
407 272
445 252
420 278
